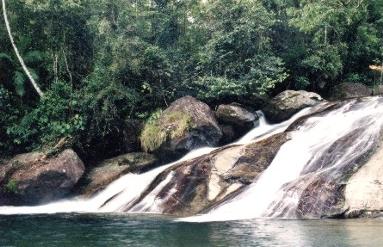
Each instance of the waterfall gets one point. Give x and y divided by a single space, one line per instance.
306 153
125 190
122 191
322 148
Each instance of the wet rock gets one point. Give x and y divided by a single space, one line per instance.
323 198
238 117
321 190
286 104
228 134
364 190
34 178
109 170
350 90
185 125
195 185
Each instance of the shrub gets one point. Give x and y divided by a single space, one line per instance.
55 116
11 186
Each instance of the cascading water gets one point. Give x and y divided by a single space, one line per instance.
321 148
306 152
125 190
122 191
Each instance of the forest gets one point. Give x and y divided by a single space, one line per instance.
101 64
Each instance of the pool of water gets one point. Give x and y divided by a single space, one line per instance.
119 230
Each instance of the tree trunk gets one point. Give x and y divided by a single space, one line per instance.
34 84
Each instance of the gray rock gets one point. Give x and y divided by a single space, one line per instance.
378 90
350 90
286 104
364 190
185 125
234 114
236 121
34 178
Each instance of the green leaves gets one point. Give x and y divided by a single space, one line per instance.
19 79
104 61
238 60
52 119
339 41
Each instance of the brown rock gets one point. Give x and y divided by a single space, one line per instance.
33 178
109 170
198 184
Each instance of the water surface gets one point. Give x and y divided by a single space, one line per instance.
118 230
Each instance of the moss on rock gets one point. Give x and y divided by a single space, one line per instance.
172 125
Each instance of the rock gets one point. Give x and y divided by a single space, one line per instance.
239 118
364 190
336 186
286 104
377 90
234 114
109 170
195 185
349 90
34 178
228 134
185 125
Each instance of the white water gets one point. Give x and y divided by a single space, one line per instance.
125 190
310 140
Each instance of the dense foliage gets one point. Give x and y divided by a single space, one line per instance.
101 63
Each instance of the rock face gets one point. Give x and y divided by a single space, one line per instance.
239 119
33 178
109 170
198 184
344 178
185 125
350 90
325 164
364 190
289 102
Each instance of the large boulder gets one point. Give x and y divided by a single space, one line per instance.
111 169
240 119
34 178
350 90
185 125
286 104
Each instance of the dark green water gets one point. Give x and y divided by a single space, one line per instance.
117 230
